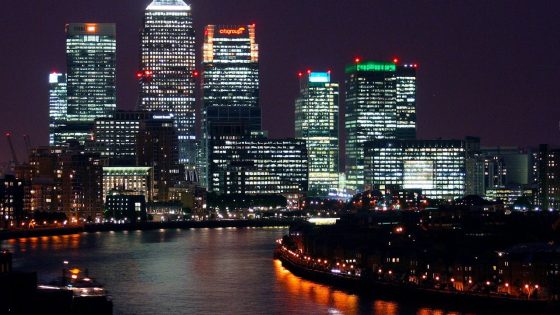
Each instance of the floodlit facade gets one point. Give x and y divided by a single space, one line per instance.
316 114
57 106
437 167
230 83
91 64
135 180
380 104
257 165
167 69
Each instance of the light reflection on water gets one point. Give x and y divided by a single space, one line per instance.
194 271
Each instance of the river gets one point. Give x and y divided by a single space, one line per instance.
195 271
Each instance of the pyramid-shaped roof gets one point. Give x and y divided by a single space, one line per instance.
168 5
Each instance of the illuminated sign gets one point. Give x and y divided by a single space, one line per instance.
319 77
369 66
229 31
91 28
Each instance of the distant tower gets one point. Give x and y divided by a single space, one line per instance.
167 69
91 63
380 104
57 106
317 124
230 83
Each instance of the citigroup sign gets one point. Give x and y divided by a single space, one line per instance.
229 31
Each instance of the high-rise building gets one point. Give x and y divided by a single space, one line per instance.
437 167
317 123
135 180
57 106
91 66
167 69
230 81
546 175
380 104
405 77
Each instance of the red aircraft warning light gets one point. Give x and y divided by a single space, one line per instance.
395 60
357 59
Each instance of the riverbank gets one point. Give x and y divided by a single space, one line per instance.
421 296
91 228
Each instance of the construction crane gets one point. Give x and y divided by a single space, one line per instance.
14 157
27 143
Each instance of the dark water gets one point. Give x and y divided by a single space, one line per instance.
197 271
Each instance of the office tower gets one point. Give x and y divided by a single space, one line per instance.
57 106
405 77
380 104
437 167
157 147
257 165
115 137
546 174
91 66
230 81
167 69
317 123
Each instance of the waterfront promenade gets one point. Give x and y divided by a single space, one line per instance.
36 232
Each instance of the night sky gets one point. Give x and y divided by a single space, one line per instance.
486 68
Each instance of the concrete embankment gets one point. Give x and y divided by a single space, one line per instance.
10 234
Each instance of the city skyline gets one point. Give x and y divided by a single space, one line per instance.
492 72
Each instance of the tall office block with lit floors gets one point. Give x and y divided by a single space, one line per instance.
91 64
317 124
167 70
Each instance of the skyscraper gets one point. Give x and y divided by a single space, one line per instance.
91 63
167 69
317 124
380 104
230 82
57 106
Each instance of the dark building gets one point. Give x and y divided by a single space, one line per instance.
11 200
546 177
157 147
120 205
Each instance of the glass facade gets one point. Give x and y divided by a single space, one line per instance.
437 167
91 65
316 114
380 104
230 81
57 106
256 165
115 137
167 69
